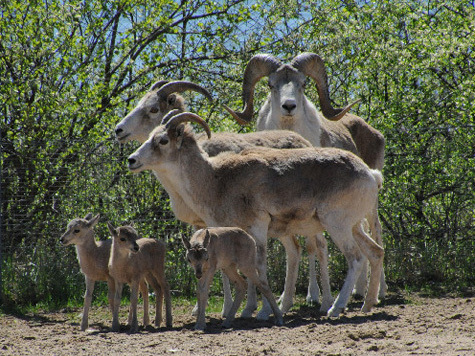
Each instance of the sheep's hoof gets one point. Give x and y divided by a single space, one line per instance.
263 315
200 327
247 313
334 312
367 306
226 324
326 305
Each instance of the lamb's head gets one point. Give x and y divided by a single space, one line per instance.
287 84
151 109
124 237
197 251
79 229
166 142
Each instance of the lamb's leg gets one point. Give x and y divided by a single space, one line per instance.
240 284
111 293
203 289
228 297
168 303
134 296
115 313
343 238
87 303
158 299
322 255
375 254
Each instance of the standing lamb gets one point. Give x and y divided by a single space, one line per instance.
228 249
132 259
93 257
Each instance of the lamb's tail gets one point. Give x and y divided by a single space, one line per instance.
378 176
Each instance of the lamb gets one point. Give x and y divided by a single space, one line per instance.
288 108
160 99
132 259
93 257
272 192
228 249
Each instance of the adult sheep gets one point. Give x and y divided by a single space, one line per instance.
287 107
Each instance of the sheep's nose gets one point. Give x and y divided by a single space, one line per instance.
136 247
118 131
289 105
198 274
132 161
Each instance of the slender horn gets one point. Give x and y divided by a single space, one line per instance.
187 117
261 65
180 86
158 84
169 115
312 65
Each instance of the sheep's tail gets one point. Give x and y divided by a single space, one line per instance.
378 176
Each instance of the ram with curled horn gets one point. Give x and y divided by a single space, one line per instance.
287 107
162 97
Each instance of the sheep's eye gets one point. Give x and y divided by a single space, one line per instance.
163 141
77 231
154 110
122 239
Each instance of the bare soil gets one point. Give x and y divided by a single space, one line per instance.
402 325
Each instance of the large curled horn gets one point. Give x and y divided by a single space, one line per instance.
261 65
158 84
180 86
187 117
169 115
312 66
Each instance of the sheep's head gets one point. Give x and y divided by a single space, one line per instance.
151 109
78 229
287 83
124 237
197 252
165 142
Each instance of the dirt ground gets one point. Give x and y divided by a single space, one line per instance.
402 325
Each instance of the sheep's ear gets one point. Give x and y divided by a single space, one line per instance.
88 216
111 229
207 238
93 220
179 135
186 243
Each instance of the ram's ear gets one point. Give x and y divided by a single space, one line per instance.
93 221
207 238
179 132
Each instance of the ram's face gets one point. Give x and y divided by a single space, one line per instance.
154 152
287 87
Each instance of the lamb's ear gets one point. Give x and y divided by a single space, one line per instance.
93 221
207 238
186 243
112 230
88 216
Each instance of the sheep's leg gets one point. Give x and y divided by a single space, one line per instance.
263 286
260 236
158 299
134 296
322 255
168 303
111 293
343 238
362 281
143 287
228 297
203 289
375 254
313 291
240 284
115 312
292 249
377 234
87 303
